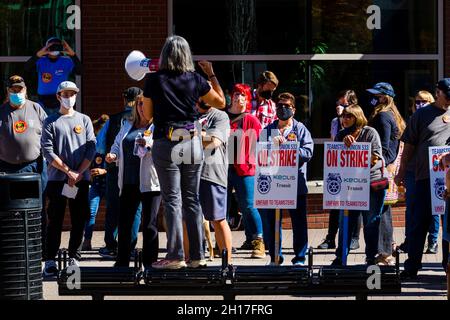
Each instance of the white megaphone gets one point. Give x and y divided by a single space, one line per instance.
138 65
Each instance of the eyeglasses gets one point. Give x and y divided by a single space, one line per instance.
284 105
347 115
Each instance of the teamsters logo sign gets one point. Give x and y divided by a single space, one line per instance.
346 176
276 175
264 184
334 183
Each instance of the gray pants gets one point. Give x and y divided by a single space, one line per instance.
180 190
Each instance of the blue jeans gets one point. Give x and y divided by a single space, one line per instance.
371 223
433 230
299 229
113 210
180 184
420 223
96 194
244 187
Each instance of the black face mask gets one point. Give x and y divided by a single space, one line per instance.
267 94
375 101
284 113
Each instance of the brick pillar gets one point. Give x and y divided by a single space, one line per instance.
447 38
110 31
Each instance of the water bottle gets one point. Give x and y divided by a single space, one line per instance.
137 147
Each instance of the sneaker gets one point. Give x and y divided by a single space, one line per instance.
87 246
354 245
50 269
169 264
259 250
73 262
197 264
108 253
299 262
327 244
218 254
432 248
382 260
280 262
247 245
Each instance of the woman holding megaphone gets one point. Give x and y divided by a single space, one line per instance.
170 97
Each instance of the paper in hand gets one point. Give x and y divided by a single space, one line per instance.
69 192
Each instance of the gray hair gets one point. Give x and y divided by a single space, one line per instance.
176 55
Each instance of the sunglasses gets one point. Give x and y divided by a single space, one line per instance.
421 101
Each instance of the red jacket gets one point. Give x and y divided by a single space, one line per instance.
246 144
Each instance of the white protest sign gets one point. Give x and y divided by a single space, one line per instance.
346 176
276 175
437 180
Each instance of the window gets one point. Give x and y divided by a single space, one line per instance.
25 26
318 48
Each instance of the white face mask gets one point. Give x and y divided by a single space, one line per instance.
69 102
240 100
55 53
339 110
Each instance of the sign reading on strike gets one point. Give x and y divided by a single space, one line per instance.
346 176
437 180
276 175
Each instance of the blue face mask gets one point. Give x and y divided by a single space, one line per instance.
17 99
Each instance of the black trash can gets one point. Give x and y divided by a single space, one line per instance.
20 237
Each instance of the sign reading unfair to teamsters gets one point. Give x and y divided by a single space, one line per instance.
276 175
437 180
346 176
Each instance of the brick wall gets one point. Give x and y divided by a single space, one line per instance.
447 38
317 217
111 30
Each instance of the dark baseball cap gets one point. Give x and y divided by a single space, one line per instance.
444 85
383 88
131 93
55 40
15 81
56 44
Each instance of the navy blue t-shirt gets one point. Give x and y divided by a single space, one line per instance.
384 123
174 96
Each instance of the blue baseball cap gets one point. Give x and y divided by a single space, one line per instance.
383 88
444 85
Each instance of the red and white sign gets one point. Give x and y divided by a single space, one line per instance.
346 176
276 175
437 180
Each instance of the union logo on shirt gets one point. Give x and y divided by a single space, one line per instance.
147 133
98 160
47 77
446 119
292 137
20 126
78 129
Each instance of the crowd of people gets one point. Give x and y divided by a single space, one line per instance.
183 144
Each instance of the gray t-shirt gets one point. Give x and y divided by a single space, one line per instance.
369 134
72 139
427 127
20 132
215 168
